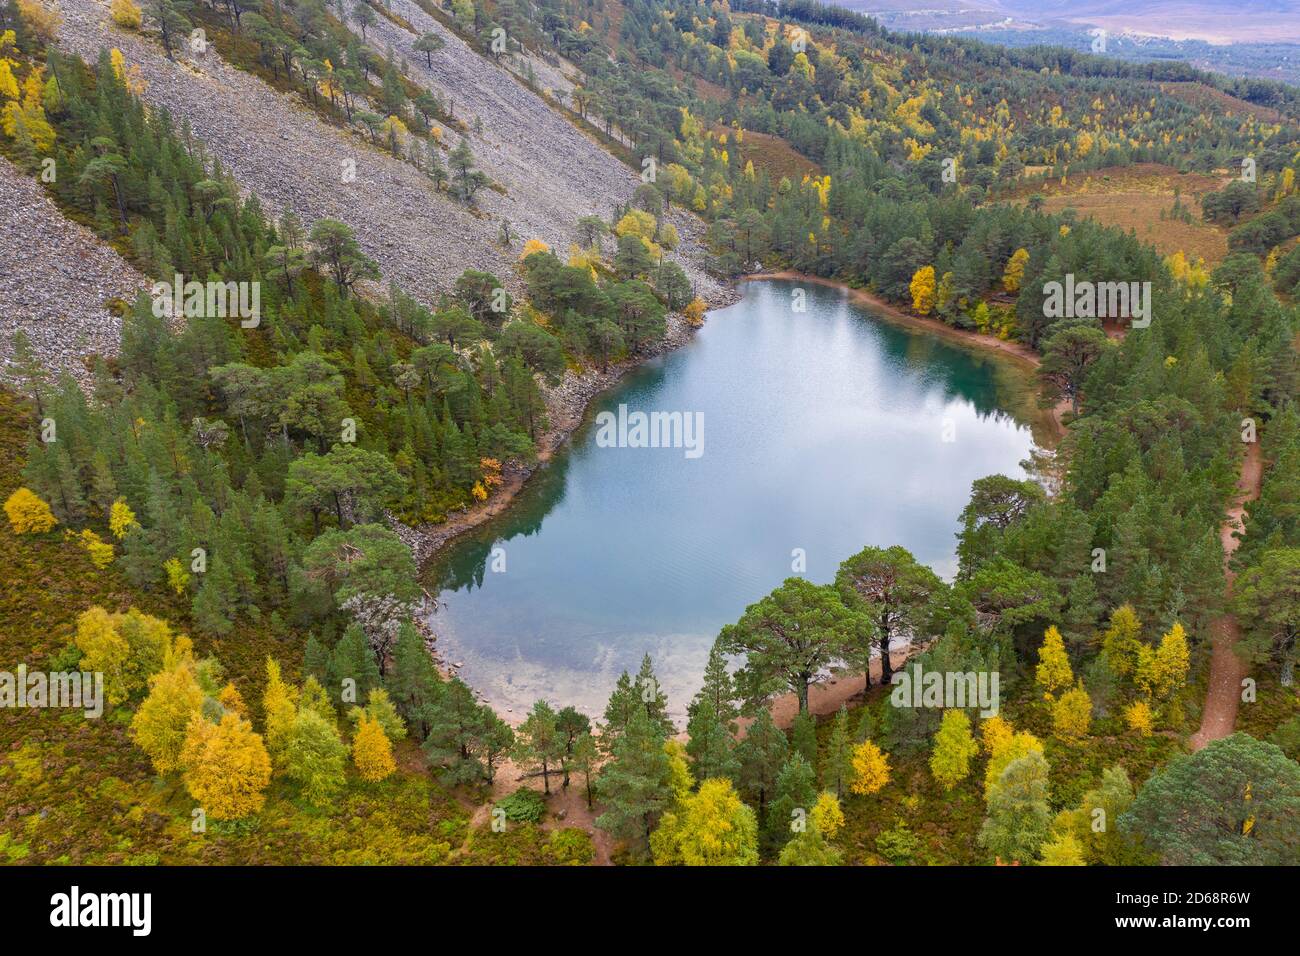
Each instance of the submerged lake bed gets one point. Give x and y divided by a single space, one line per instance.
777 442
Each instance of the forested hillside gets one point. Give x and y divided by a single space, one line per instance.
217 512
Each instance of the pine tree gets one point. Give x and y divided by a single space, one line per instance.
762 754
539 743
354 661
803 737
635 783
711 748
796 793
837 765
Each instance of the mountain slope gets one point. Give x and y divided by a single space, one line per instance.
56 278
278 149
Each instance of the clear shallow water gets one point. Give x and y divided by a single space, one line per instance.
823 430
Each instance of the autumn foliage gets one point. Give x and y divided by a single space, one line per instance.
28 514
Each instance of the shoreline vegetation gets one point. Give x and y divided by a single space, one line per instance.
569 405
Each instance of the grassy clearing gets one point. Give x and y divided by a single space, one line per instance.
1141 198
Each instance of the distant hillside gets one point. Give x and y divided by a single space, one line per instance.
1254 39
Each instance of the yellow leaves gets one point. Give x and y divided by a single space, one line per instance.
1139 718
694 312
908 114
995 733
479 492
1172 662
827 816
128 75
100 551
1007 751
226 766
1072 714
279 711
917 151
128 648
178 579
1054 671
159 726
712 827
42 20
531 246
639 223
954 746
371 751
1014 273
870 768
1192 275
8 83
1064 850
28 514
922 288
104 650
1122 641
802 64
120 518
1160 672
125 14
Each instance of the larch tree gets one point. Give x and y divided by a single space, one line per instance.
711 827
1053 673
316 757
1019 819
226 767
160 724
870 768
372 752
954 747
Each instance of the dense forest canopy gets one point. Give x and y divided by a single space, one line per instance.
257 488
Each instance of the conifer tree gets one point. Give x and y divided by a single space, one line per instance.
954 746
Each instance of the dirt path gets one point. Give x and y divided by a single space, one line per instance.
826 697
1223 696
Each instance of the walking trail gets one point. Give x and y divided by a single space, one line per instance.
1226 668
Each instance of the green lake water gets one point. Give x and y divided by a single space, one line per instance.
824 430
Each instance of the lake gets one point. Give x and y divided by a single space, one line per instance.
819 432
